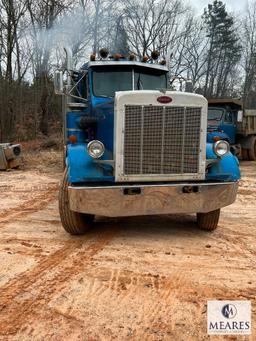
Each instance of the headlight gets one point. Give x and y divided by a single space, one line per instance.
95 149
221 148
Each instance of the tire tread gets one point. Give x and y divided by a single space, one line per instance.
73 222
208 221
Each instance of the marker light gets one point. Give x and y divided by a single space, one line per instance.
104 53
216 138
95 149
155 55
117 56
72 139
163 62
221 148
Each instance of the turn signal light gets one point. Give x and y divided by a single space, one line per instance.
72 139
216 138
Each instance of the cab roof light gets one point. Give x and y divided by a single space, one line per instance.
132 57
163 61
104 53
155 54
117 56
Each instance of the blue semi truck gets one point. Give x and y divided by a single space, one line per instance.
133 147
229 121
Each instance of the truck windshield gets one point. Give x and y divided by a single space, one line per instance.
106 82
149 79
215 116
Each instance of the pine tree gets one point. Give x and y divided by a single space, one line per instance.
120 39
224 49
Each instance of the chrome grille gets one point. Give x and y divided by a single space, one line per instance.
161 140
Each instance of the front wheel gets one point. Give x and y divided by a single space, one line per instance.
252 150
73 222
208 221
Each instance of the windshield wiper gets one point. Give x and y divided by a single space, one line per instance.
139 83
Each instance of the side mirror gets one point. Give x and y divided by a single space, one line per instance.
189 86
58 83
240 114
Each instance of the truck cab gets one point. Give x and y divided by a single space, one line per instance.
222 122
229 121
223 119
133 147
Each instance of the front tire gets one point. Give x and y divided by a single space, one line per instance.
73 222
208 221
245 156
252 150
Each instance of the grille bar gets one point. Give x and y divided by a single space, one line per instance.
161 140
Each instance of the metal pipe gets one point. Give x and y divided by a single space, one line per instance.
69 63
69 57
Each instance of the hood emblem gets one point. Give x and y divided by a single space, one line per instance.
164 99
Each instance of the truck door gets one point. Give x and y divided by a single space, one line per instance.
229 125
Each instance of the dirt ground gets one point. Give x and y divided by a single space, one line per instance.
142 278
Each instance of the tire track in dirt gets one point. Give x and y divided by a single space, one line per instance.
166 294
126 285
43 286
37 203
236 241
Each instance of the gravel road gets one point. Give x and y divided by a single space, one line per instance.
141 278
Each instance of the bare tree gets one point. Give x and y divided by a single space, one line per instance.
11 14
249 55
151 24
189 57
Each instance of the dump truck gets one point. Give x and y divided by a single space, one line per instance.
133 147
10 156
229 121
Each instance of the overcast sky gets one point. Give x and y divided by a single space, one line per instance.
231 5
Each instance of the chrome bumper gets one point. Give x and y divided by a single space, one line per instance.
117 201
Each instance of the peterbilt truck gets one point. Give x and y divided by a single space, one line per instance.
228 120
133 147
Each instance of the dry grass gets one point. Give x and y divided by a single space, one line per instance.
37 156
44 161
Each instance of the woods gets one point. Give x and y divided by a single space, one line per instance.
216 49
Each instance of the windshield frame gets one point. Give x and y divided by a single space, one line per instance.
216 120
133 71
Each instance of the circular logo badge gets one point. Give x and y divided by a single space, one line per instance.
229 311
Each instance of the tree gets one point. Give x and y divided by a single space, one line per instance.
249 56
151 25
189 59
11 13
43 15
224 50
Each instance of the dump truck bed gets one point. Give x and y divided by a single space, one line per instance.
248 126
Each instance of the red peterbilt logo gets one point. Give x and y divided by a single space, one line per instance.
164 99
